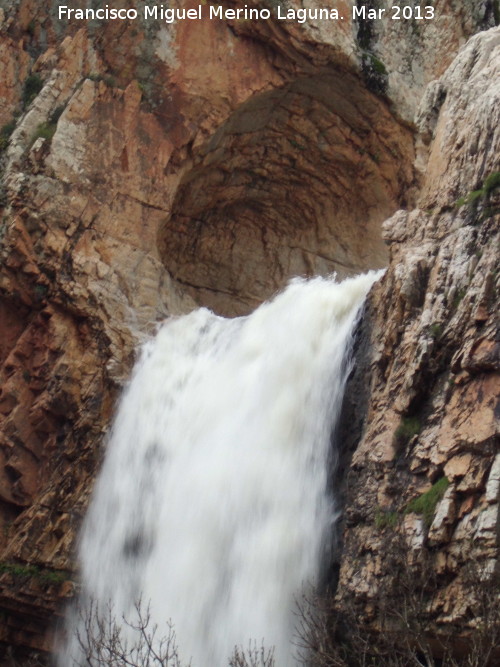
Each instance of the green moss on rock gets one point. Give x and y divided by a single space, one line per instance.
427 502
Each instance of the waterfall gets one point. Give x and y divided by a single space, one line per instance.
212 504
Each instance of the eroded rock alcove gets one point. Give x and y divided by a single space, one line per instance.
296 182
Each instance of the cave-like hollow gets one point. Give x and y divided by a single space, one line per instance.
296 182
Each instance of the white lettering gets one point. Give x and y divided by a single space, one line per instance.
311 14
169 15
359 12
367 13
102 13
216 12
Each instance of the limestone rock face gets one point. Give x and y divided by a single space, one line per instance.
147 168
432 416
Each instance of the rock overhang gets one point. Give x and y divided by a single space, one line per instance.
296 181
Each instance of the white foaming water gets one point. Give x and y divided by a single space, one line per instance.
212 503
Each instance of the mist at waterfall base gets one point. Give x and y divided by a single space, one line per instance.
212 505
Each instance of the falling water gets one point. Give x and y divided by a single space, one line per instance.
212 503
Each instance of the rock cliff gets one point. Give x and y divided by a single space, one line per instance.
148 167
423 487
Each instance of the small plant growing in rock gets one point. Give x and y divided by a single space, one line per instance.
377 65
490 184
40 292
426 503
374 71
385 518
18 570
408 427
26 571
458 296
436 330
32 86
45 131
470 199
5 134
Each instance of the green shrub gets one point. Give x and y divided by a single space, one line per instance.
385 518
435 330
53 576
5 134
18 570
426 503
491 182
458 296
408 427
32 86
44 130
474 196
377 65
44 575
374 71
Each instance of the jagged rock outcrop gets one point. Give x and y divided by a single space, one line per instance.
424 476
148 167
